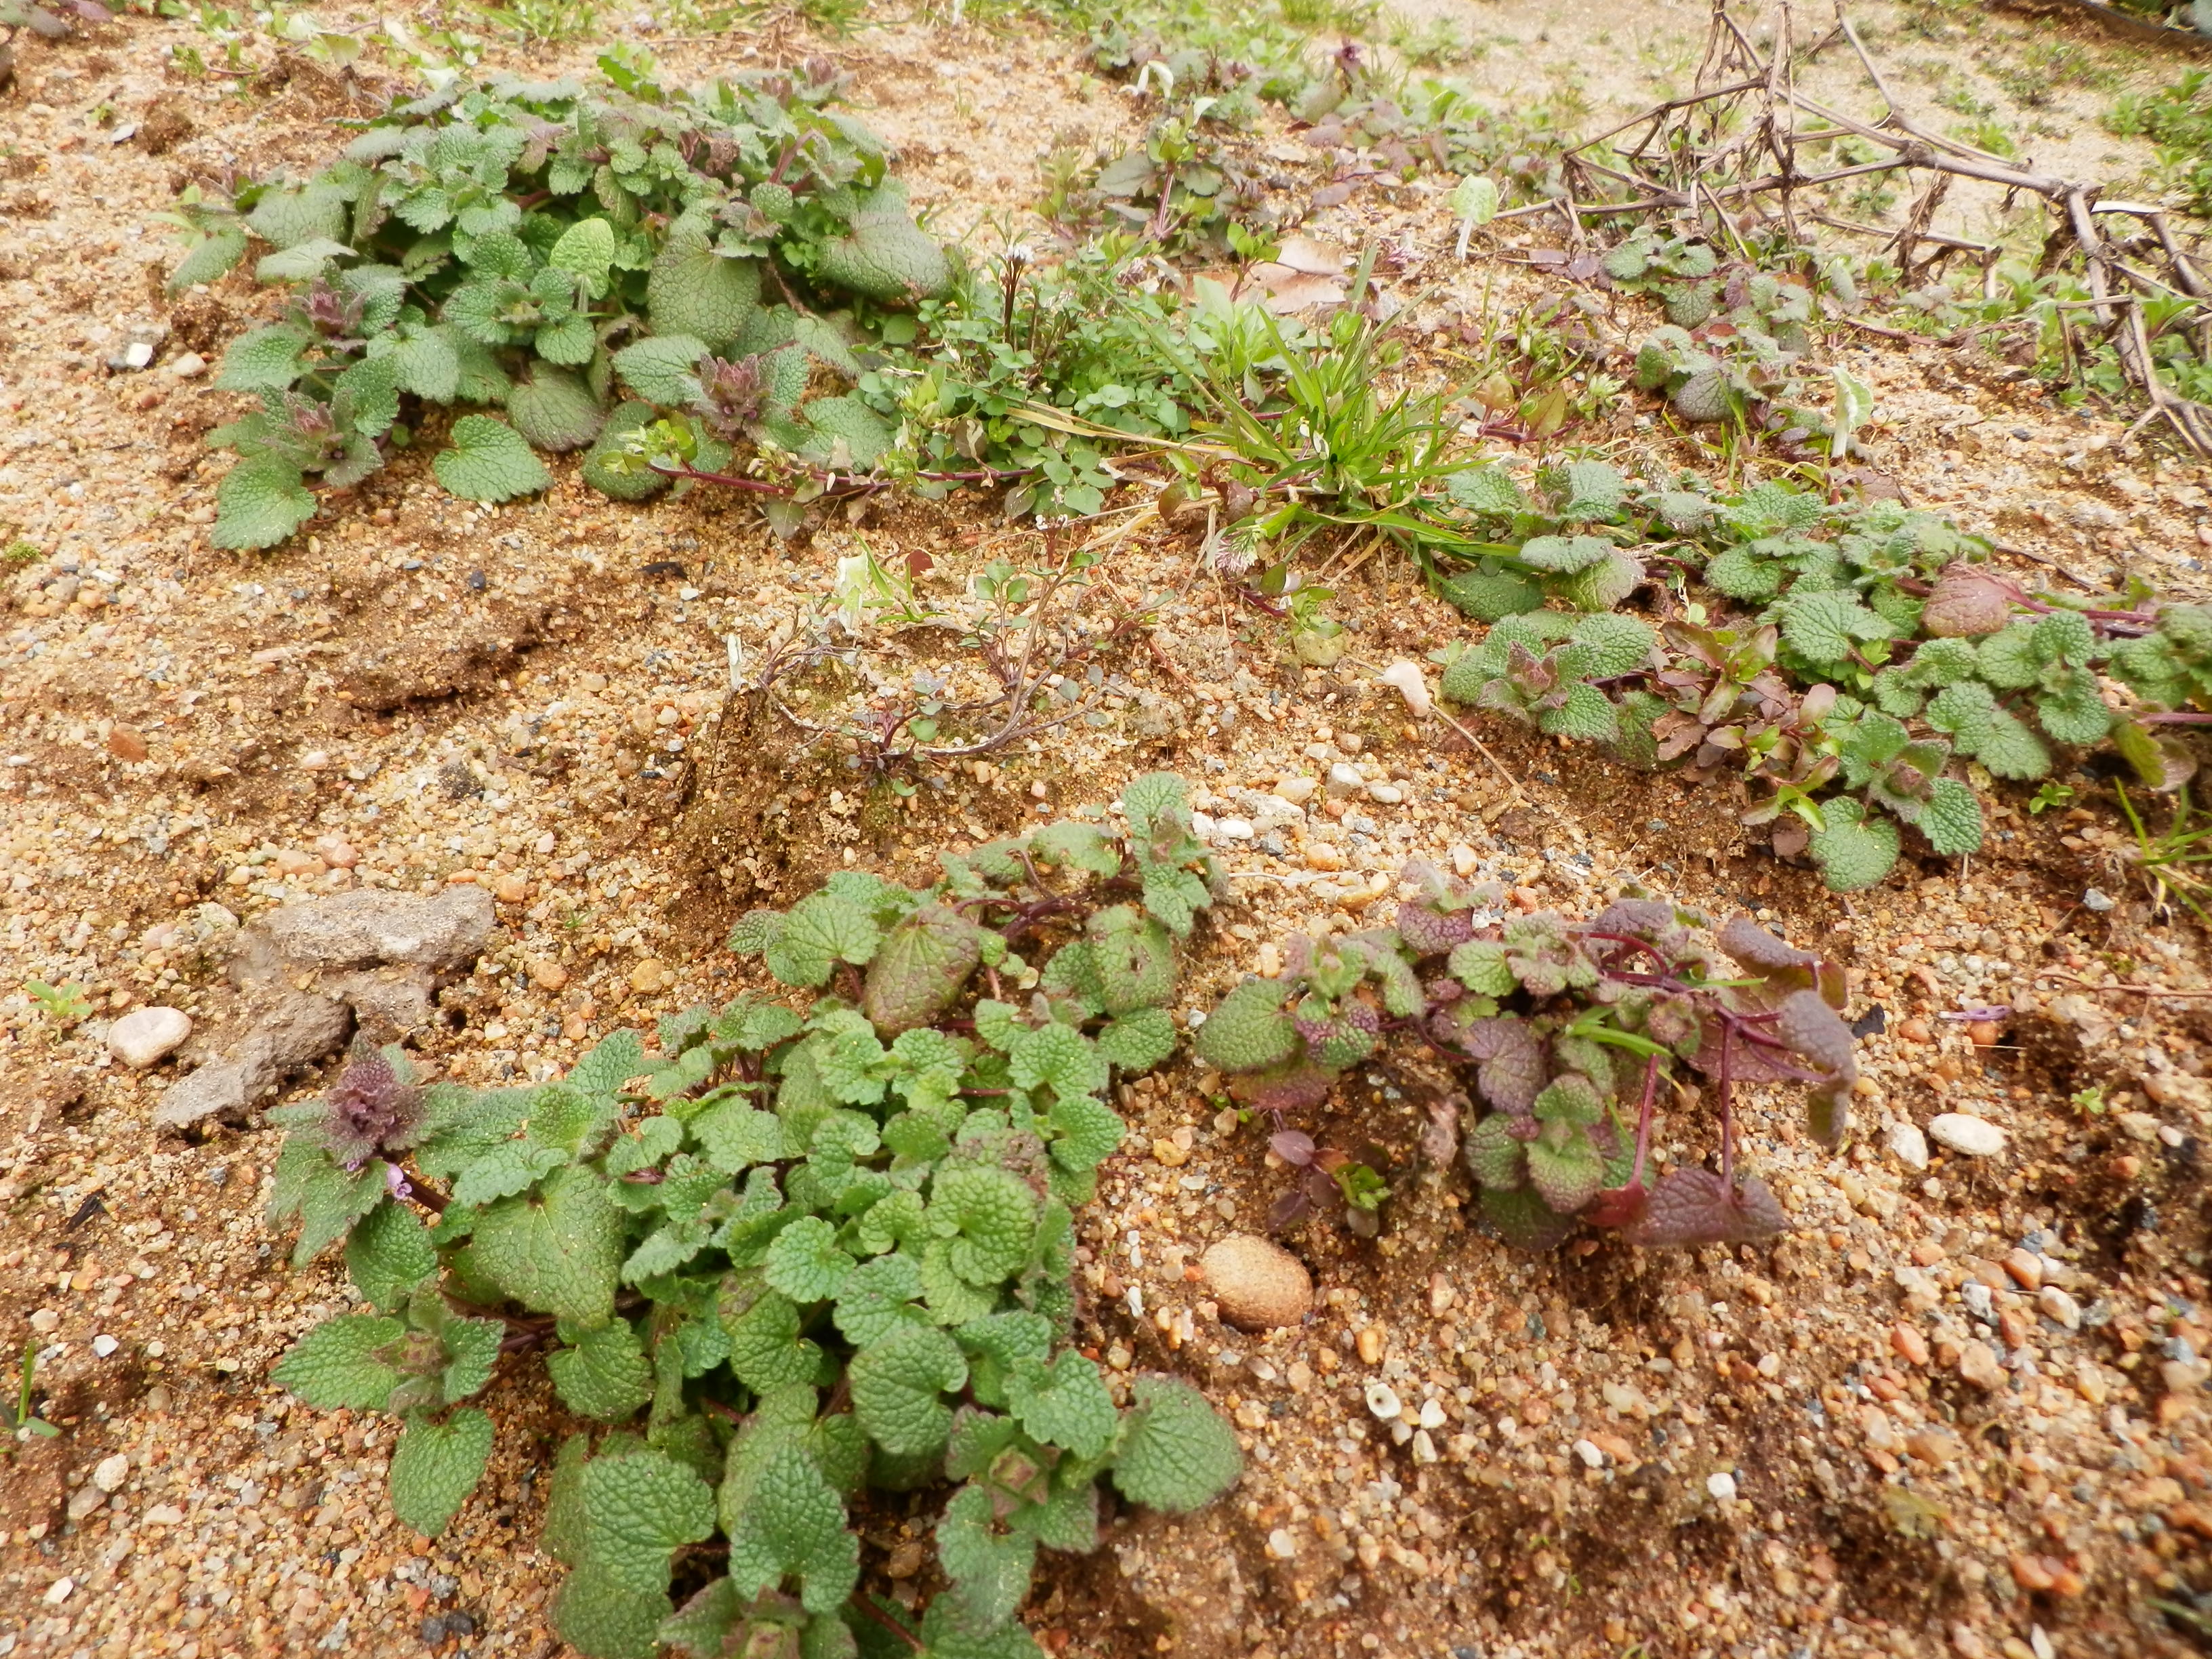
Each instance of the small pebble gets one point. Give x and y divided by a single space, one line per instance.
1382 1400
1721 1483
1235 829
2098 900
60 1591
1281 1544
1294 788
1431 1414
144 1036
111 1473
1369 1345
1975 1137
2025 1269
1908 1145
189 367
1258 1284
2059 1307
104 1345
1591 1457
1977 1364
1906 1341
650 977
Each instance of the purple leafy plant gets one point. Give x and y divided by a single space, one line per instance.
1563 1031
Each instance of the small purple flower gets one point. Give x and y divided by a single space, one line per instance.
369 1110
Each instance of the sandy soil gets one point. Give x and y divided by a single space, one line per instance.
1879 1435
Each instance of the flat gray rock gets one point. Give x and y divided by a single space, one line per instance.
368 928
294 1032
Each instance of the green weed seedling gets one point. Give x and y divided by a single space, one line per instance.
28 1425
789 1256
65 1004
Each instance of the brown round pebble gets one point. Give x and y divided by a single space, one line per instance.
1260 1285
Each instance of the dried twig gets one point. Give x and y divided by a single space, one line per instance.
1737 138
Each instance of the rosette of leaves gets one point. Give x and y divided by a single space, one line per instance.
785 1255
499 244
1548 669
1563 1031
1566 542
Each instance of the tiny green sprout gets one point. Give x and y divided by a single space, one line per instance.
21 551
1363 1188
64 1004
2090 1100
1474 202
2048 795
25 1423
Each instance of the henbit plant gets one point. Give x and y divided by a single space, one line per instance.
789 1256
497 244
1565 1031
1871 616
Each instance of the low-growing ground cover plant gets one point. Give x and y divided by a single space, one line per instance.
790 1256
1879 675
1563 1032
554 249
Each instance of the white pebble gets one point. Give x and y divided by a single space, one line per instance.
104 1345
138 354
1591 1457
2099 901
2060 1307
1721 1485
1908 1145
1424 1448
1975 1137
1433 1414
111 1473
1281 1544
1235 829
59 1591
1385 794
1405 678
144 1036
1382 1400
187 367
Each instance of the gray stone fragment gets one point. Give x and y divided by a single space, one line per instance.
389 1003
287 1035
364 929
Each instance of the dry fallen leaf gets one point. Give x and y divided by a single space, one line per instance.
1302 254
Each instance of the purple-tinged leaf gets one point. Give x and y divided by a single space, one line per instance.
1620 1207
1694 1206
1288 1210
1292 1146
1968 601
1297 1085
1523 1220
1430 932
1512 1075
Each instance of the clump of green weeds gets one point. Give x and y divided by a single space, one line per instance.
790 1260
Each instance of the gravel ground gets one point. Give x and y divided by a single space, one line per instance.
1961 1405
